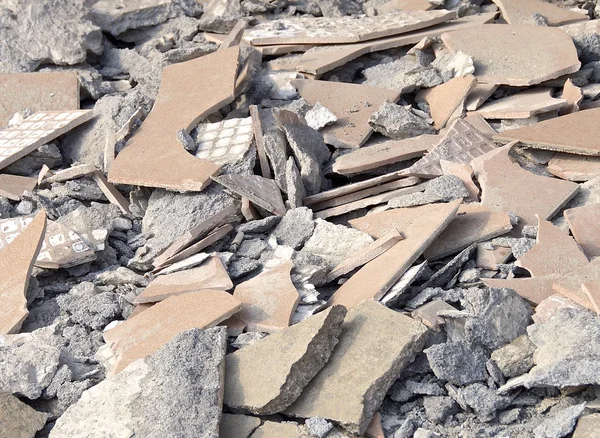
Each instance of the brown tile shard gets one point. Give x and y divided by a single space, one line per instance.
146 332
505 186
592 291
210 275
111 192
71 173
574 133
13 186
480 124
260 191
547 308
428 313
473 223
498 62
522 105
488 258
382 153
534 290
478 95
375 429
555 252
258 138
273 429
573 95
573 167
52 91
189 91
16 260
352 104
522 11
447 101
419 226
569 285
583 222
268 300
577 29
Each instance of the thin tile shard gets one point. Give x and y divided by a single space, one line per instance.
261 191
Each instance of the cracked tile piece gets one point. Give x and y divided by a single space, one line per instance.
352 104
583 222
573 95
522 11
428 313
37 130
146 332
362 368
13 186
569 285
268 376
224 142
534 290
574 133
555 252
592 291
16 260
522 105
260 191
343 29
382 153
490 258
112 194
497 61
461 144
478 95
473 223
419 226
268 300
18 419
238 426
210 275
257 128
189 91
579 168
505 186
447 101
72 172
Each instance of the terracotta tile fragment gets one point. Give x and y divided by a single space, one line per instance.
491 258
383 153
592 291
547 308
111 192
419 226
478 95
463 172
235 35
261 191
573 95
146 332
352 104
189 91
16 260
497 62
522 105
210 275
555 252
446 101
534 290
428 313
268 300
249 211
375 429
573 167
521 12
569 285
71 173
258 137
13 186
584 222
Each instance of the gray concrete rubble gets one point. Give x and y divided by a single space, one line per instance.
397 122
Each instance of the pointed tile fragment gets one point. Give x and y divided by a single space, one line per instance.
147 331
72 172
522 12
375 429
419 226
111 192
480 124
574 133
522 105
574 167
16 262
364 365
592 291
267 376
584 222
534 290
573 95
191 250
13 186
490 257
261 191
497 61
555 252
268 300
446 101
569 285
257 128
479 94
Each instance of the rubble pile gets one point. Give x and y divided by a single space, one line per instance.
299 218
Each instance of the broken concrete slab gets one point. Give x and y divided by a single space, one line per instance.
515 358
582 222
17 260
456 363
224 142
352 104
153 156
260 191
269 375
295 228
139 336
238 426
578 168
396 122
18 419
419 226
13 186
496 61
362 368
522 11
447 101
268 300
522 105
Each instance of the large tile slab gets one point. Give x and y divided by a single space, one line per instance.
584 223
521 12
522 105
447 101
572 167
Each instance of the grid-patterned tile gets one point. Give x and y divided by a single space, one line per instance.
226 141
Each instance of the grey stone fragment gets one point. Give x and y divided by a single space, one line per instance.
483 400
510 416
259 226
456 64
93 223
251 248
403 75
456 363
89 306
444 277
220 16
447 188
318 427
247 338
560 423
318 117
186 140
295 228
413 200
310 268
24 207
175 392
588 47
241 266
396 122
295 187
515 358
83 189
437 409
519 246
17 419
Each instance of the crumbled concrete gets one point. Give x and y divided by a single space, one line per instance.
446 188
259 226
318 117
295 187
456 363
437 409
402 74
295 228
453 65
560 423
251 248
483 400
515 358
318 427
93 223
89 306
396 122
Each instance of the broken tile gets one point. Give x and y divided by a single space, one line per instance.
490 258
272 429
569 285
238 426
419 226
464 173
260 191
480 124
268 300
36 131
428 313
17 260
375 429
548 307
583 222
522 105
573 95
13 186
503 183
587 426
269 375
534 290
573 167
210 275
141 336
362 368
224 142
343 29
391 297
153 156
406 5
447 101
111 192
522 11
72 172
18 419
257 128
555 252
235 35
473 223
592 291
352 104
478 95
497 61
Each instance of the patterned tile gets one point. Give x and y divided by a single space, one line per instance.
226 141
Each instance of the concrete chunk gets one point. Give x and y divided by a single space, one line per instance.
17 419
